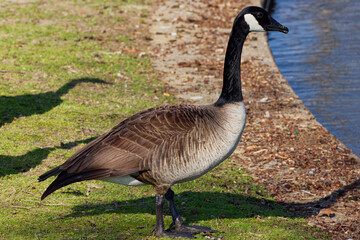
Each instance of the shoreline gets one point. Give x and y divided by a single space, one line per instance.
299 163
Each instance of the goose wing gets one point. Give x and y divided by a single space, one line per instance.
124 148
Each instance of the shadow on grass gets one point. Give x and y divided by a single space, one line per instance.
199 206
193 206
22 163
313 208
29 104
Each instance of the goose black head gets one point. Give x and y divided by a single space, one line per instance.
259 20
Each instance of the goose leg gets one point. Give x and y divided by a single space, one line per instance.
159 227
177 220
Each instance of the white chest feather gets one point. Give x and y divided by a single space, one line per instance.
218 145
233 129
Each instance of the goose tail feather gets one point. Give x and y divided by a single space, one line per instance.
65 179
53 172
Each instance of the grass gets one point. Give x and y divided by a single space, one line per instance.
67 77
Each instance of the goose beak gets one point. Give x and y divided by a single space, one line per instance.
275 26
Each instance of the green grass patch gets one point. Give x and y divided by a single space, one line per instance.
66 79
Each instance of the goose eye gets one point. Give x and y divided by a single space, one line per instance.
259 14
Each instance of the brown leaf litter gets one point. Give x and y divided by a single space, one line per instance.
300 164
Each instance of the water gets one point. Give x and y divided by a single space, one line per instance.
320 58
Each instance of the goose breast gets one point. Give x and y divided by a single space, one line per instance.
216 133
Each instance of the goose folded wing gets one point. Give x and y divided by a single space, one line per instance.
123 149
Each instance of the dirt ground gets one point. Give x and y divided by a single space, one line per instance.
303 166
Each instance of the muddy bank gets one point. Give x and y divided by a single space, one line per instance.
284 148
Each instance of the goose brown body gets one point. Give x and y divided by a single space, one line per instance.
160 146
190 141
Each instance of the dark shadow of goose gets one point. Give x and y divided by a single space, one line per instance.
195 206
22 163
199 206
313 208
29 104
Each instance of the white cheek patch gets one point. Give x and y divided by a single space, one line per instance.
253 23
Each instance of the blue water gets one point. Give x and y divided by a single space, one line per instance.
320 58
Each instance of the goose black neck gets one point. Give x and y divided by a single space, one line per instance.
231 91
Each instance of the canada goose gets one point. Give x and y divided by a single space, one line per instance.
166 145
